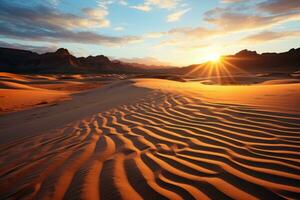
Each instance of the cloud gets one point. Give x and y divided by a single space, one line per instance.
119 28
240 16
123 2
65 35
162 4
54 2
181 43
37 49
233 1
154 35
97 14
198 32
105 3
48 17
231 20
142 7
45 24
280 6
235 18
267 36
175 16
165 4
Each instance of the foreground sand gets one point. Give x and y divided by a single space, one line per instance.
156 139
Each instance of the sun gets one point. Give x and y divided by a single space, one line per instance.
213 58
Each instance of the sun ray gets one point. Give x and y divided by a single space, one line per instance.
218 69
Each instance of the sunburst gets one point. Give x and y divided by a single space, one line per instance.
213 58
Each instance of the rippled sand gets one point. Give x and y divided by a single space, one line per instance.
156 139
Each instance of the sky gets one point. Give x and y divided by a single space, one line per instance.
163 32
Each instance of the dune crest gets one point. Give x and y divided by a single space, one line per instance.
163 141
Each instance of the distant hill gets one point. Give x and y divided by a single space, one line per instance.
61 61
146 62
143 66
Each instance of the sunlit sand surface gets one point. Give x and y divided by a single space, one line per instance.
156 139
19 92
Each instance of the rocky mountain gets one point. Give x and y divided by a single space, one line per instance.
276 62
61 61
247 61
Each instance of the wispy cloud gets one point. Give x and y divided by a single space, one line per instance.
175 16
235 18
162 4
54 2
142 7
105 3
280 6
154 35
46 24
97 14
198 32
119 28
233 1
123 2
267 36
236 24
37 49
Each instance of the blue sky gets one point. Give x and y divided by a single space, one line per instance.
176 32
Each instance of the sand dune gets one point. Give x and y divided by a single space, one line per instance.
155 139
11 76
281 81
17 96
12 85
19 99
19 92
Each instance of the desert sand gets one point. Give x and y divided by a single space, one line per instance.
20 92
155 139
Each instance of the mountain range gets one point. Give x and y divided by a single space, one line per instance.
61 61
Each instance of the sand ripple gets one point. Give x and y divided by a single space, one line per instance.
164 146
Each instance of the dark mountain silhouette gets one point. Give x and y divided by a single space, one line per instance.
270 62
247 61
61 61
